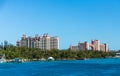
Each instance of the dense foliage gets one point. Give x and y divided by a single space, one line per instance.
36 53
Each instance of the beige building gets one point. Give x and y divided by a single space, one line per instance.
45 42
95 45
74 48
83 46
80 46
104 47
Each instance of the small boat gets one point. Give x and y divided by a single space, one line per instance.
3 60
51 59
117 55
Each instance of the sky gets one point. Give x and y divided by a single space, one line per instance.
72 21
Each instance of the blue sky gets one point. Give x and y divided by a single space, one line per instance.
71 20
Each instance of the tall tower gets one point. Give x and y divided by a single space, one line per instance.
46 42
106 47
86 45
96 45
24 41
54 43
36 41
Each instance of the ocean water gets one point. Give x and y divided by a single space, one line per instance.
92 67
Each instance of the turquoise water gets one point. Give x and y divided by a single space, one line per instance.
92 67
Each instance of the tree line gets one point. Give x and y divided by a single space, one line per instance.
12 52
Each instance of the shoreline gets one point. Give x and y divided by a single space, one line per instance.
45 60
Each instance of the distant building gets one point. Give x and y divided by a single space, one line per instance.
6 44
104 47
95 45
75 48
83 46
80 46
45 42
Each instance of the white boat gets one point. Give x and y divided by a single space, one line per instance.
3 60
51 59
117 55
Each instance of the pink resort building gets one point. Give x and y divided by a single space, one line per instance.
95 45
44 42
